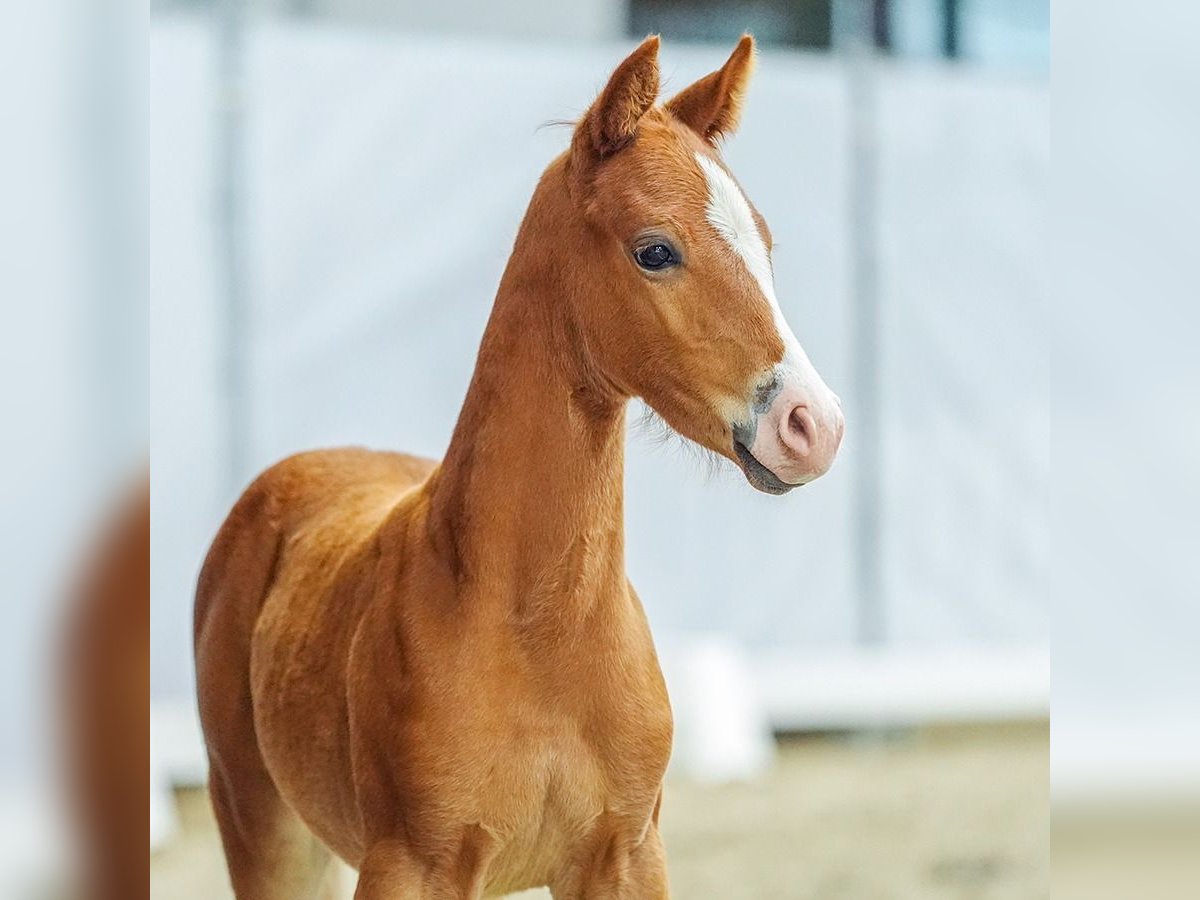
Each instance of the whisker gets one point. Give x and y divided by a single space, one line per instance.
555 123
653 428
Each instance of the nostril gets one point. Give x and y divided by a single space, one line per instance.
796 422
799 432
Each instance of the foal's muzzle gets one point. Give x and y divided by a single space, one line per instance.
792 435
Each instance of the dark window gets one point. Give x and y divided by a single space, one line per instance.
797 23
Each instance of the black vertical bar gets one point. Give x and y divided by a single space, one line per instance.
950 28
881 22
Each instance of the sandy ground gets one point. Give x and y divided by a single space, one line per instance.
934 815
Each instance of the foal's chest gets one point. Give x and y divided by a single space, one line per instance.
556 795
543 741
564 746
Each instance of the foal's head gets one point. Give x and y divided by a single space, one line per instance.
680 304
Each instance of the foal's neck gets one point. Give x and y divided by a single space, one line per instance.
528 501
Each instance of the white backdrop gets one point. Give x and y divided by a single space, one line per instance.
386 178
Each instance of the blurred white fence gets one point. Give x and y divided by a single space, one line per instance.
386 176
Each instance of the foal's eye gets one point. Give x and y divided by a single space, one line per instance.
655 256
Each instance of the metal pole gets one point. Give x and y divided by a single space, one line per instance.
950 29
230 175
859 26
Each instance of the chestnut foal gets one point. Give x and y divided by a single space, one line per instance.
440 673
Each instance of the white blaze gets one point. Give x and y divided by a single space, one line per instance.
729 213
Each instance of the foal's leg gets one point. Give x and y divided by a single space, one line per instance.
612 870
270 853
649 869
391 871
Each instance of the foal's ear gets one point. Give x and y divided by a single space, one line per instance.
612 120
712 106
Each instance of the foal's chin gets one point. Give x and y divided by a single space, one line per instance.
658 426
759 476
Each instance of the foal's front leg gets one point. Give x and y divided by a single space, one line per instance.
391 871
617 867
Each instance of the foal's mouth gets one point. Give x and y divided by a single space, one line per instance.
759 475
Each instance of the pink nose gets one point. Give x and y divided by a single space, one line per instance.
797 437
797 432
811 446
805 440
